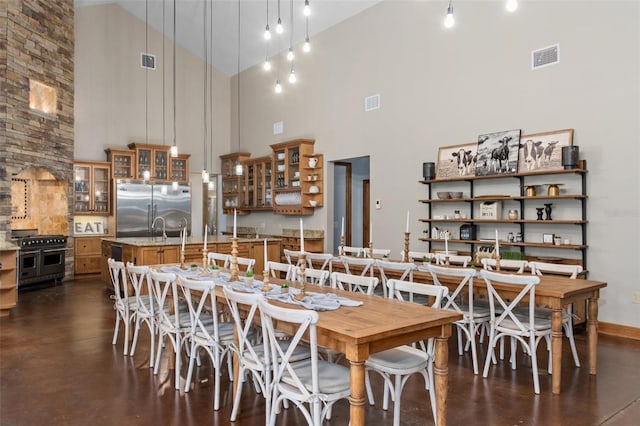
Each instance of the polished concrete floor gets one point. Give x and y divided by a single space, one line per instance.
58 367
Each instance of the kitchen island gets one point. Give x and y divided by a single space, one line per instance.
154 251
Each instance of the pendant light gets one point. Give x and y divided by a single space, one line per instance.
307 10
279 28
278 88
267 63
205 173
306 47
449 21
146 174
239 169
174 148
292 75
267 31
511 5
290 54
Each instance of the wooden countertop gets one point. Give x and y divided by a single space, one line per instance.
174 241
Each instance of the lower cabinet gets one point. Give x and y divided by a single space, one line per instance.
157 255
88 255
8 282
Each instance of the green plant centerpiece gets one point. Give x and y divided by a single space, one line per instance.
427 260
284 288
248 278
194 266
215 270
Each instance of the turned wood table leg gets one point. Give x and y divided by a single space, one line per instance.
556 345
357 398
592 324
441 379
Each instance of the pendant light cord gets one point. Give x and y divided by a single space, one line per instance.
146 73
238 86
211 84
174 72
205 74
163 72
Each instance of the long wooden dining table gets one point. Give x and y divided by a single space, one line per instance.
379 324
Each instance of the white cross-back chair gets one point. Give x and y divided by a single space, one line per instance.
145 307
405 269
280 270
173 318
352 251
123 303
538 268
206 331
312 276
513 265
325 259
404 361
292 256
364 263
313 381
355 283
420 256
461 301
460 260
245 263
222 260
376 253
515 322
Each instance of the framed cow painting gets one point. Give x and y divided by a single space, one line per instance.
543 151
456 161
498 153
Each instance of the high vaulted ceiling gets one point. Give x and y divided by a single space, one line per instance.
253 19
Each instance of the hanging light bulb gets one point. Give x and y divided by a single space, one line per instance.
292 76
146 175
267 33
290 55
205 176
449 21
211 186
306 47
174 151
267 64
511 5
279 27
278 88
307 10
174 185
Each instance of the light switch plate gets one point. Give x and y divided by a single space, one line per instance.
378 204
278 128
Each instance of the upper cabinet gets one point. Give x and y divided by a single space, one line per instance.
123 162
257 185
92 188
233 184
297 178
179 168
151 158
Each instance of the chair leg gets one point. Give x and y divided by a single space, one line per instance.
472 343
116 328
385 398
459 341
236 400
177 366
396 402
490 353
134 343
153 332
568 330
367 384
127 321
534 364
514 348
156 367
192 359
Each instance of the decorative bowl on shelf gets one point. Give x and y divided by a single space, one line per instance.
281 167
281 156
444 195
314 189
455 194
313 203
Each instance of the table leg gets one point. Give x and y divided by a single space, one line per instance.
556 345
441 379
357 398
592 324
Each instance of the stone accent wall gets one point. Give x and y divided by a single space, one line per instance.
36 42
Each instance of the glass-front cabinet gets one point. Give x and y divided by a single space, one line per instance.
92 188
258 194
233 184
151 158
179 170
123 162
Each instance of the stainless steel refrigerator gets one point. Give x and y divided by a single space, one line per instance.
138 204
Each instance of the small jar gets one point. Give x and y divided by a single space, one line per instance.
513 214
456 214
510 237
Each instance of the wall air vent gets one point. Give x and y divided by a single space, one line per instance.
546 56
371 103
148 61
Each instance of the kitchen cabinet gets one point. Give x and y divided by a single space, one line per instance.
87 255
8 281
152 158
158 255
568 216
257 185
179 170
123 162
233 185
297 177
92 188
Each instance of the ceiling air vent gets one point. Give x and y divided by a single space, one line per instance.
546 56
148 61
371 103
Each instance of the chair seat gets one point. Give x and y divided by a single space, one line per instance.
540 323
400 358
299 354
225 331
332 378
478 311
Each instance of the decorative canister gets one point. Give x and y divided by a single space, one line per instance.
428 171
570 156
513 214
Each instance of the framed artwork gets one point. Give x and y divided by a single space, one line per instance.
543 151
456 160
498 153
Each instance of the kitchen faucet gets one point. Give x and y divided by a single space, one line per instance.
164 231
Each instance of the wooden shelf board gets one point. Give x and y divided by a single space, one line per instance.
508 244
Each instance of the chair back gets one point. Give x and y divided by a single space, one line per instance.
304 326
200 298
453 259
220 259
165 292
514 265
363 262
118 281
246 262
141 283
403 290
537 268
292 256
376 252
280 270
244 323
511 317
311 276
356 283
351 251
461 298
325 258
420 255
405 269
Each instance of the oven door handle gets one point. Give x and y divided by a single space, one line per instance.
55 250
26 253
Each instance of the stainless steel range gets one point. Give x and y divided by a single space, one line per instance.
41 258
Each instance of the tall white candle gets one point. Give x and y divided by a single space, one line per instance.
206 231
407 228
446 243
497 245
235 214
342 231
301 236
266 260
371 232
184 237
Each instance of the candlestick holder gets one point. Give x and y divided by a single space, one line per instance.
341 248
498 262
371 249
302 267
181 259
406 246
265 282
234 259
447 261
205 261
